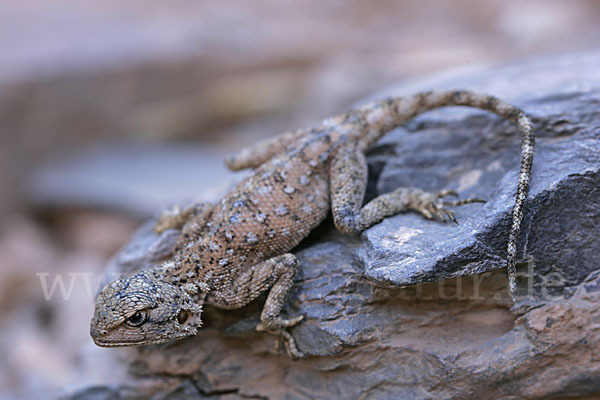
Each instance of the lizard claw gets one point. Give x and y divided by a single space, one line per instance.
451 216
439 213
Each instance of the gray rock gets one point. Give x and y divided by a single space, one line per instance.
113 392
478 156
454 333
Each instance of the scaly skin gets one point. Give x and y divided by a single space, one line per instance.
232 251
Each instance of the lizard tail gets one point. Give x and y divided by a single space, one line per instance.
387 114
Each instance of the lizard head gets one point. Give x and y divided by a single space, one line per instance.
143 309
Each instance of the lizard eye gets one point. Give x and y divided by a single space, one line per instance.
137 319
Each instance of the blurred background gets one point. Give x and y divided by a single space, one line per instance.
113 110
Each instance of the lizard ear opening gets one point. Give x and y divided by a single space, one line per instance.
183 316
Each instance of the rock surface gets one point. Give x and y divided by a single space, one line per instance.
458 335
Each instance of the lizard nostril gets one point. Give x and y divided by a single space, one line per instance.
99 332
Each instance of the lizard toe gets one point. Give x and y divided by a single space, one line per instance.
278 328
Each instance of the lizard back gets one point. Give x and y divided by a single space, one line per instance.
266 214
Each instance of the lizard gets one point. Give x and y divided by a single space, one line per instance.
229 252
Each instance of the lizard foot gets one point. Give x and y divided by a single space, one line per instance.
277 328
430 205
177 217
169 219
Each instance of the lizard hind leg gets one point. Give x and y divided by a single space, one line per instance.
276 274
348 176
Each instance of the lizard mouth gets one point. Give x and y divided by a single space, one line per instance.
116 343
107 342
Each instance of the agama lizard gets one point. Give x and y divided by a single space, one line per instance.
230 252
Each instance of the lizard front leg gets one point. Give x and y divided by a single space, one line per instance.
348 176
276 273
188 219
262 151
191 220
